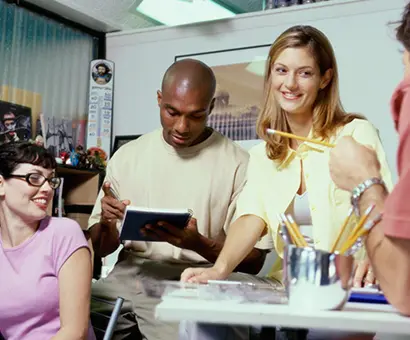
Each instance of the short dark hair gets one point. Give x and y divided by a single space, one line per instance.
14 153
403 30
103 65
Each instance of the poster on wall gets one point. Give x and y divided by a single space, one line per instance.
15 122
23 101
58 135
100 104
239 92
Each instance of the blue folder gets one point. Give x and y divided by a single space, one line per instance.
368 298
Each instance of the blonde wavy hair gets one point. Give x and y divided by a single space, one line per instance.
328 112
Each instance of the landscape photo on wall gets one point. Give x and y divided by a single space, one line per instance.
239 93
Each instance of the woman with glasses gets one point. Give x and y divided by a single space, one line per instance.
45 262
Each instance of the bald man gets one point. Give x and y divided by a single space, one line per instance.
184 164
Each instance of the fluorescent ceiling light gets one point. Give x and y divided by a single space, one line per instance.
179 12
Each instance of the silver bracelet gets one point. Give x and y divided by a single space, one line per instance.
361 188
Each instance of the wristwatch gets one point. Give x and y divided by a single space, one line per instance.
361 188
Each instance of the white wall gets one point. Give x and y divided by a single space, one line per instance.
366 50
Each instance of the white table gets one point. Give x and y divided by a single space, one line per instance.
355 317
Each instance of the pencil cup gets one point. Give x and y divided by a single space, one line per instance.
316 279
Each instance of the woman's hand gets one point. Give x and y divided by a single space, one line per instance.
202 275
363 275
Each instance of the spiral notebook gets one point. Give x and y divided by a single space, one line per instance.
136 218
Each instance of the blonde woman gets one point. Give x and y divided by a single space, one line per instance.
302 97
286 175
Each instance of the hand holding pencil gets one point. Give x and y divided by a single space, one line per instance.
112 208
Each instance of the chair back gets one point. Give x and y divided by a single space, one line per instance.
107 333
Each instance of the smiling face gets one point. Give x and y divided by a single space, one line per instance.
296 80
101 70
26 201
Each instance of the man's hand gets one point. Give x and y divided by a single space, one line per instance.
363 275
201 275
111 208
352 163
187 238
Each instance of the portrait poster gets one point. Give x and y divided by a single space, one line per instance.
15 122
239 92
100 104
25 98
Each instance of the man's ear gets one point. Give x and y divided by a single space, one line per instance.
327 77
211 107
159 98
2 182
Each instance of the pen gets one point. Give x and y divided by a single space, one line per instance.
114 194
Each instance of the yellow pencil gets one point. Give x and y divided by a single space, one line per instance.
362 220
342 230
362 232
299 235
292 232
305 139
358 230
284 229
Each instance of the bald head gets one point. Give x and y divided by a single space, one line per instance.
185 101
192 75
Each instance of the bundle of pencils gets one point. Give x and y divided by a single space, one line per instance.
342 244
345 239
293 232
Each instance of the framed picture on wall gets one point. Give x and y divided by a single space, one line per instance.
15 122
121 140
239 74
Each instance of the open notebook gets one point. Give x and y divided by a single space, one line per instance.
137 217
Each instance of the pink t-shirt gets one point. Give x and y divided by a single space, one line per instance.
396 214
29 293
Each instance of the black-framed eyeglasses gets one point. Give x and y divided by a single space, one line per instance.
38 180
